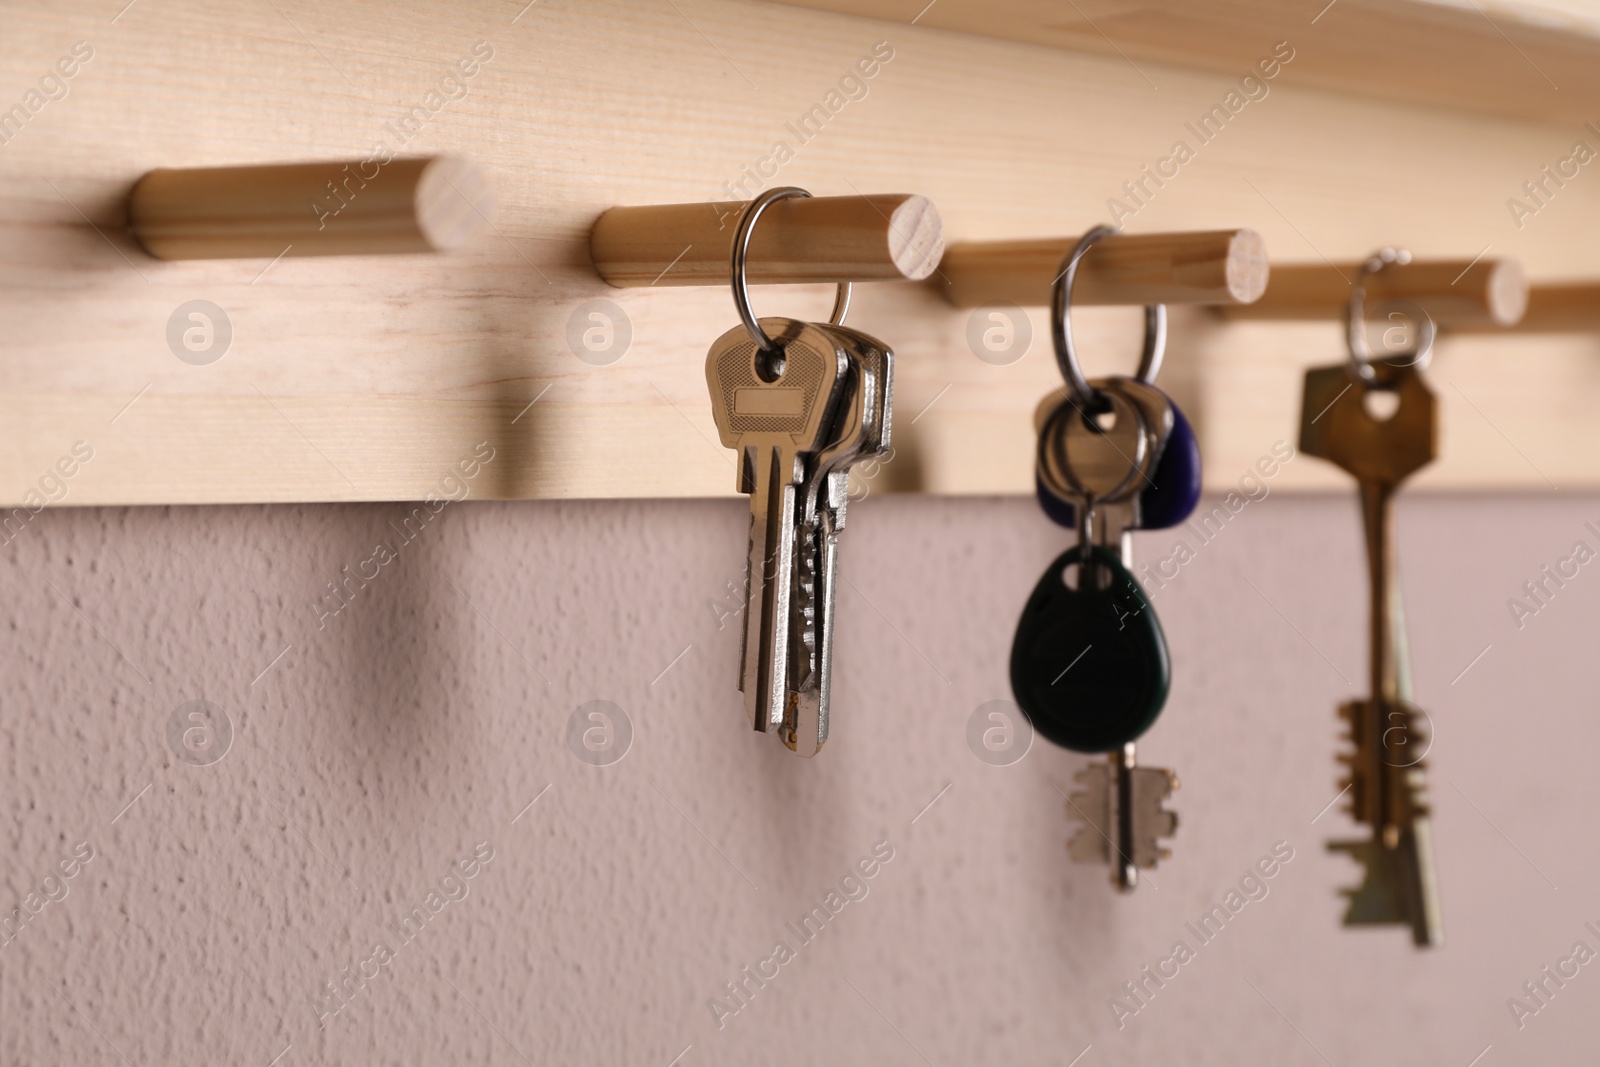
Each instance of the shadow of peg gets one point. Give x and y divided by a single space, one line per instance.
341 208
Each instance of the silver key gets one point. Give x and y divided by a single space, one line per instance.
844 442
805 722
1120 807
861 432
774 413
875 378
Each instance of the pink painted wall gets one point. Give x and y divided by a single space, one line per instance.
423 719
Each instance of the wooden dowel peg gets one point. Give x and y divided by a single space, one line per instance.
1205 267
355 207
1454 292
887 237
1570 307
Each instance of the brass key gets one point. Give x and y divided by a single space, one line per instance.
1386 780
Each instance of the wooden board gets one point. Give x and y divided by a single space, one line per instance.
1512 58
371 378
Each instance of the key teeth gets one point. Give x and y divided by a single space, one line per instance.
1347 789
1366 757
805 601
1397 885
1420 808
1091 802
1093 807
1152 786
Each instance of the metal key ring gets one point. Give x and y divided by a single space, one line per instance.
1155 328
1355 327
741 286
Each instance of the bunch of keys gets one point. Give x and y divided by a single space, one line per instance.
1386 781
1089 664
800 403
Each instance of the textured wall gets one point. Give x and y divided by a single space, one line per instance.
396 735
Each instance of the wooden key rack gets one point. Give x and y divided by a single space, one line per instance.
198 278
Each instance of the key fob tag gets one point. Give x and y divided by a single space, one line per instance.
1176 491
1061 512
1089 667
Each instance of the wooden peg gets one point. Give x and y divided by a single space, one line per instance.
1205 267
1570 307
887 237
357 207
1455 293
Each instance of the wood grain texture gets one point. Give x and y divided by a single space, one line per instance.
814 239
349 207
1522 59
1455 293
1215 267
370 378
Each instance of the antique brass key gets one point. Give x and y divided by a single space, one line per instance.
1386 781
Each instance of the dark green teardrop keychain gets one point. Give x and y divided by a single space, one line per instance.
1089 665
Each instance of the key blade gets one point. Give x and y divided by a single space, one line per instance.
765 668
806 715
1095 804
1362 760
1398 885
803 628
1386 746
